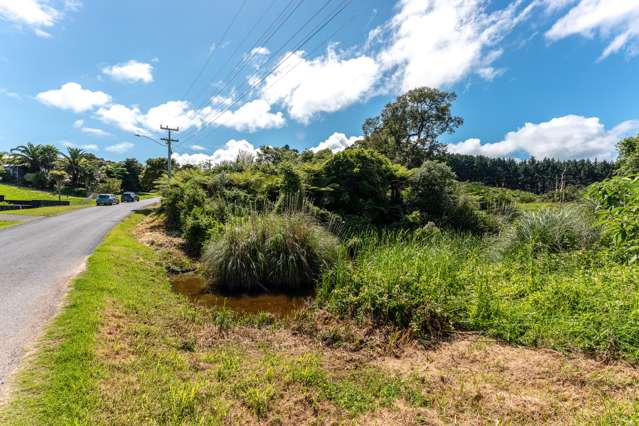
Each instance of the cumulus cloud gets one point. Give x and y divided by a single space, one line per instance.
336 142
121 116
34 13
198 148
131 72
439 42
252 116
616 20
230 152
567 137
120 148
73 97
328 83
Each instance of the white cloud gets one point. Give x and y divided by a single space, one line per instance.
567 137
336 142
87 147
198 148
42 34
79 124
260 51
324 84
252 116
127 119
618 19
72 96
34 13
132 72
438 42
230 152
120 148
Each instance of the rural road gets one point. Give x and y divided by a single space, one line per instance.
36 261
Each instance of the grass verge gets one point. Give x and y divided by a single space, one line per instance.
7 223
48 211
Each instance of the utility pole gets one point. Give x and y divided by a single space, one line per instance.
168 141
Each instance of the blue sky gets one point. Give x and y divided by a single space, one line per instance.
554 78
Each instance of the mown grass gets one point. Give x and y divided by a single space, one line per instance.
14 192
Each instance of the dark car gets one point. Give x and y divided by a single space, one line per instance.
106 200
130 197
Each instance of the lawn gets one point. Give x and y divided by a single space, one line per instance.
14 192
127 350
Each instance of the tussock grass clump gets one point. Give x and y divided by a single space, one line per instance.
270 252
551 230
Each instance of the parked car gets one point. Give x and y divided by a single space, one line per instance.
106 200
130 197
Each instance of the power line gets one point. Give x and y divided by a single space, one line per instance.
210 56
311 35
231 76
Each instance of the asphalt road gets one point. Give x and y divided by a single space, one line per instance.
37 259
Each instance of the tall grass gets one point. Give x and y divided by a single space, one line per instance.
270 252
552 230
568 301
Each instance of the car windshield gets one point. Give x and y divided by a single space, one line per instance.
103 196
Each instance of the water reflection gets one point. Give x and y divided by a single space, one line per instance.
195 286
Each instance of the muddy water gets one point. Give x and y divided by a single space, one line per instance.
195 286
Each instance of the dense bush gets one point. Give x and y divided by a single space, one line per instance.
433 191
355 182
270 252
617 205
551 230
199 226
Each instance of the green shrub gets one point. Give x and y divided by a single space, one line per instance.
199 226
616 203
355 182
270 252
551 230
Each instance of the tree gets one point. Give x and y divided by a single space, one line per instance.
432 189
154 168
355 182
628 163
131 178
59 178
73 164
408 129
35 158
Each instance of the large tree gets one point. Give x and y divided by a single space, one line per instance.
36 158
628 163
73 160
131 178
154 168
408 129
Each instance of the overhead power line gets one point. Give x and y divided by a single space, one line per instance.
309 37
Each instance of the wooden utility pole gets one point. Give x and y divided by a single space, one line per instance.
168 140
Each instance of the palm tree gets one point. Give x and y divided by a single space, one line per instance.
35 158
27 156
73 159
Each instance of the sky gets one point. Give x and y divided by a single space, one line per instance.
542 78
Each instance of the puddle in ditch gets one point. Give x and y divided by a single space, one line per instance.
195 286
